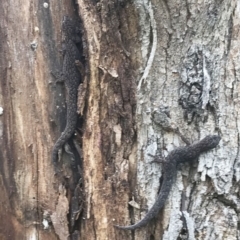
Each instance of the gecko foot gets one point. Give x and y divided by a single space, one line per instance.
157 159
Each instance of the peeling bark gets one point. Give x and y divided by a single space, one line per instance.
155 72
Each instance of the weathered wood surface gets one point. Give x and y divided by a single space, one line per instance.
188 76
179 60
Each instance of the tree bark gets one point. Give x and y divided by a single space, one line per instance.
154 72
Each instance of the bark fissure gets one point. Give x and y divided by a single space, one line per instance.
175 60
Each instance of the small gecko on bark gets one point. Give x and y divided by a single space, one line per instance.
72 78
178 155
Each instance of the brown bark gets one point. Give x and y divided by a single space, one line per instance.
34 113
178 60
110 132
30 43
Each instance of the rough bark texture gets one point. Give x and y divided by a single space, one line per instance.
33 117
153 71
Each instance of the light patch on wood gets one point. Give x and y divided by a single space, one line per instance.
113 72
190 225
154 46
59 217
118 134
134 204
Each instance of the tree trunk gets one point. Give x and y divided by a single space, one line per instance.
155 73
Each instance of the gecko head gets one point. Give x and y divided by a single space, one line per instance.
210 141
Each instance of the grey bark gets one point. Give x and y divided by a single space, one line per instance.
191 81
156 71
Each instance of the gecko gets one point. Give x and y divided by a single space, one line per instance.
71 76
178 155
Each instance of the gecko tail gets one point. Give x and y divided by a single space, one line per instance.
157 206
130 227
137 225
58 145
